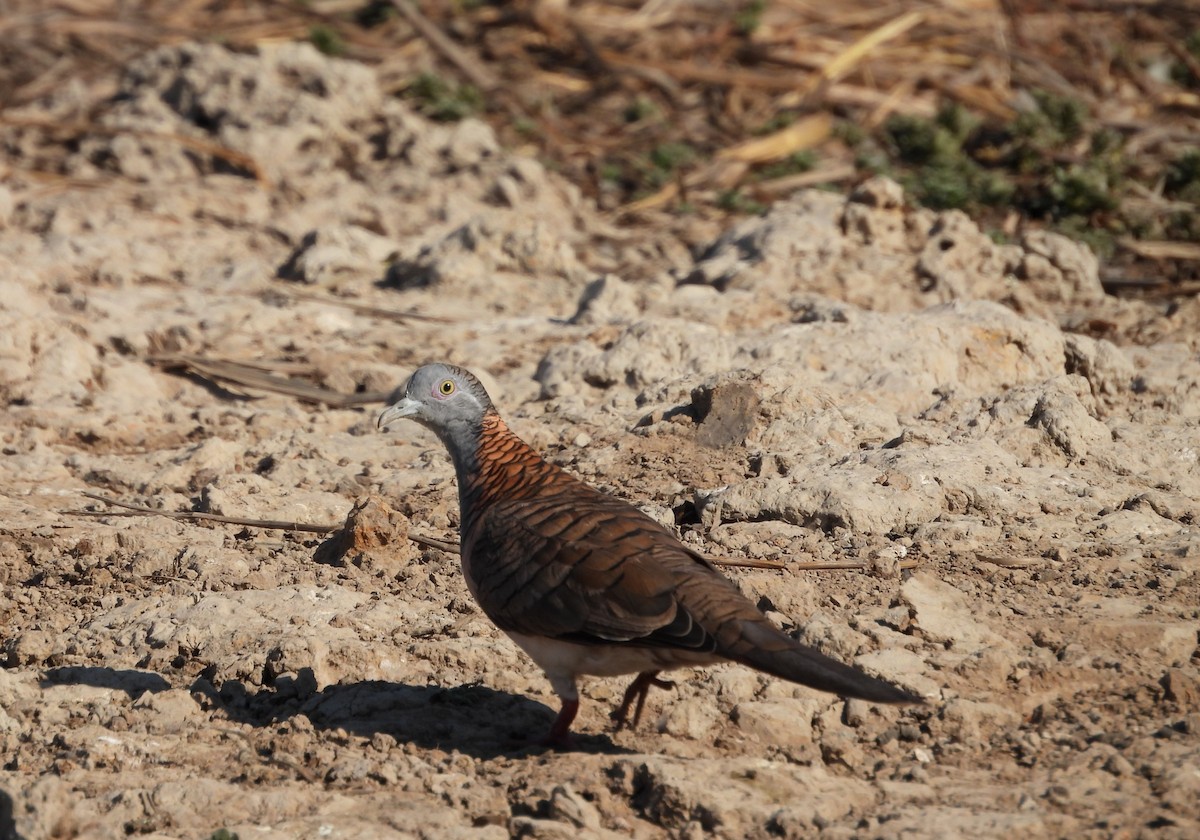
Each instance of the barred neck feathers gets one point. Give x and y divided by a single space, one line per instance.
503 467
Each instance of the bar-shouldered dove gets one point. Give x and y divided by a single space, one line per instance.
584 582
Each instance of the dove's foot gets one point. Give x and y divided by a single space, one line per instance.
639 689
560 737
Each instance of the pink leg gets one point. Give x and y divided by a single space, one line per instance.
639 689
560 730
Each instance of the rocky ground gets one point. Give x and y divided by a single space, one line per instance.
1005 456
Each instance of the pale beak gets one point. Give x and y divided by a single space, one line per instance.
403 407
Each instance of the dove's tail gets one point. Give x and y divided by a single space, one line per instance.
760 645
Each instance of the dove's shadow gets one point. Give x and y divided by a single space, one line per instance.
8 825
472 719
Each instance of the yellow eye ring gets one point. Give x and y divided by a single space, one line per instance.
447 387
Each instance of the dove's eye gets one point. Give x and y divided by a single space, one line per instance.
447 387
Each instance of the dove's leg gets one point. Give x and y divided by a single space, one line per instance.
639 689
560 730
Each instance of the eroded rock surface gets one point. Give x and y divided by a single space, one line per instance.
969 493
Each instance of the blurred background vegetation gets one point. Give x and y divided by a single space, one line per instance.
1078 115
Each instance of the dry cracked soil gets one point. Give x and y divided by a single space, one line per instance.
975 472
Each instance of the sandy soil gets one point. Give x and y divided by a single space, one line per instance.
1008 455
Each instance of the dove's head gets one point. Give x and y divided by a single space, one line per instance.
444 398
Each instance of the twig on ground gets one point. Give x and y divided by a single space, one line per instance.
449 50
253 375
197 516
315 528
748 564
430 542
372 311
847 565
